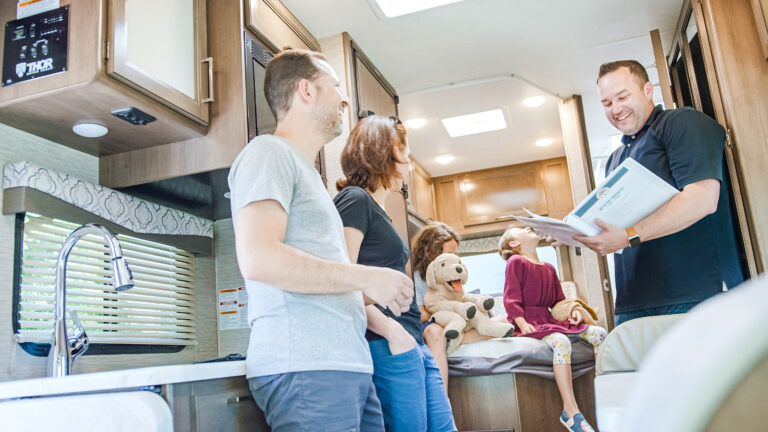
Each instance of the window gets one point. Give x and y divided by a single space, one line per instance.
486 271
158 310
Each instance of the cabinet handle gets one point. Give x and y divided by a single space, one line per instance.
209 60
237 399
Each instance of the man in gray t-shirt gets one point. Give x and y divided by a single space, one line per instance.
308 363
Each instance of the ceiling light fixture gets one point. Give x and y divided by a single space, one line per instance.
534 101
470 124
444 159
415 123
544 142
393 8
90 130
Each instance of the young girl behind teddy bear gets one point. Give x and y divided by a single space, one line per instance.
531 288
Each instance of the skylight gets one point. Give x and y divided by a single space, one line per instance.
469 124
393 8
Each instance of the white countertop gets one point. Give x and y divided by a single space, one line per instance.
121 379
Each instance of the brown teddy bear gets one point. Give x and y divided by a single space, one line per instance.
454 310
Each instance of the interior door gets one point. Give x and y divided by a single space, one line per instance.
697 86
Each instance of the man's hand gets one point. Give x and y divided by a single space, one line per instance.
390 288
399 340
611 239
576 318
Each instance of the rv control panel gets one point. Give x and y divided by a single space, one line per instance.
35 46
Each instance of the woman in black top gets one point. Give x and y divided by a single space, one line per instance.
407 380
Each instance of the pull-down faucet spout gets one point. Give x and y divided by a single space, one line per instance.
63 350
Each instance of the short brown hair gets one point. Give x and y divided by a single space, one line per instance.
283 74
428 245
635 68
368 159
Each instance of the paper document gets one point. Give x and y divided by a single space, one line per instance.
629 193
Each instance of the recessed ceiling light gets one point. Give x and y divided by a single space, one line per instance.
534 101
469 124
415 123
444 158
393 8
544 142
90 130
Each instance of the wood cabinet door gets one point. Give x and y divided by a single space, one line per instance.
160 49
494 195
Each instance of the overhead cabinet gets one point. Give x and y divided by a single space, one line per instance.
159 48
138 67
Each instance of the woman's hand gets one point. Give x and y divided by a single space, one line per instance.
399 340
576 318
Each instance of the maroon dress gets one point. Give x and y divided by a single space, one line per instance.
529 291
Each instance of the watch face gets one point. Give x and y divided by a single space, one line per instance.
634 241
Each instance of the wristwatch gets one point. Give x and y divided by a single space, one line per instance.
634 238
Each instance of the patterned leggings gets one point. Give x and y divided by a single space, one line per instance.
561 346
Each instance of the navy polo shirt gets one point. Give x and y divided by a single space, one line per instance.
682 146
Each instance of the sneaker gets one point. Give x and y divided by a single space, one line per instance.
575 424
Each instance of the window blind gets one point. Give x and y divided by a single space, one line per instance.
158 310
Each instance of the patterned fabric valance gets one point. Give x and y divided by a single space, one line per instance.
133 213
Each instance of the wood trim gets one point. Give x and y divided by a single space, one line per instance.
662 68
760 9
681 20
693 85
593 286
678 91
294 24
119 68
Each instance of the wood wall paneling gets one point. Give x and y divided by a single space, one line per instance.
743 77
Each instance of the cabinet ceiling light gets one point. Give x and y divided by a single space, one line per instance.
444 159
393 8
470 124
544 142
90 130
534 101
415 123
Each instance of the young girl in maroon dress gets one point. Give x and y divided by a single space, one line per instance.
531 288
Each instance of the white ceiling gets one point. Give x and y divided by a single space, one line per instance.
556 44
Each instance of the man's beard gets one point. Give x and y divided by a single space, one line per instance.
328 122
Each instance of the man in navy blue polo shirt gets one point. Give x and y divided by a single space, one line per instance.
682 253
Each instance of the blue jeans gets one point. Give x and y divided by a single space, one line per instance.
318 400
410 389
664 310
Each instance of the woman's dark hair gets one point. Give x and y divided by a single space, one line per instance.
428 245
368 159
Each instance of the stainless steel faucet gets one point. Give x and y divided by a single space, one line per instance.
65 350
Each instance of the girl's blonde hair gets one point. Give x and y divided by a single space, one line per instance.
505 250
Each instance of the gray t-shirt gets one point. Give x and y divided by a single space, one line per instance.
292 332
420 286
